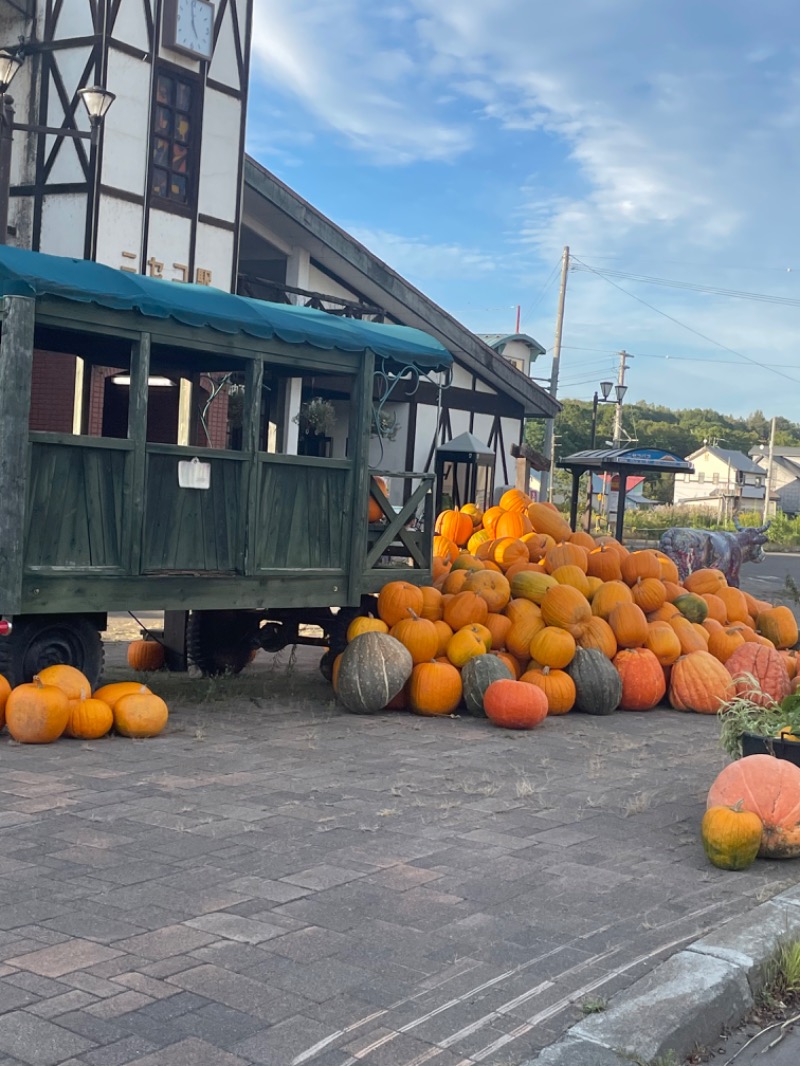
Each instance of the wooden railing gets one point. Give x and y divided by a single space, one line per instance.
403 539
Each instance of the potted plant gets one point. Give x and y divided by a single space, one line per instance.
316 419
748 727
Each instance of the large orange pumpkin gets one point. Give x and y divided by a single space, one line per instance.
723 642
688 636
490 517
735 604
640 564
547 520
514 704
431 603
699 682
566 554
649 593
464 608
419 635
498 625
643 684
521 634
89 719
375 511
514 500
716 607
662 641
565 607
111 693
5 692
769 788
492 587
444 548
705 580
434 689
506 551
757 663
553 647
597 633
610 595
365 624
444 633
396 598
456 526
142 714
605 563
70 680
538 544
513 524
586 540
669 571
572 575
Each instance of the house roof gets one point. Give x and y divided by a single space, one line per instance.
737 460
498 341
302 224
778 451
34 274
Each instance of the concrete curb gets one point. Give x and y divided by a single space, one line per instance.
687 1000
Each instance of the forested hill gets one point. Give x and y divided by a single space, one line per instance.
652 426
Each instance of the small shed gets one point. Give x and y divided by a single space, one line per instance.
621 461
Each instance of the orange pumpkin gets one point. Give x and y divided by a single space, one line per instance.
444 548
553 647
511 662
521 633
432 607
597 633
89 719
68 679
374 510
110 694
396 598
673 591
716 607
605 563
669 571
434 689
506 551
519 608
513 524
665 613
464 608
498 626
640 564
465 561
688 636
585 540
491 587
5 692
145 655
566 554
455 525
545 519
454 582
444 633
558 687
464 645
514 500
699 682
37 713
565 607
480 536
490 518
662 641
572 575
705 580
778 625
538 544
419 635
735 604
769 788
141 714
629 625
611 595
722 643
649 593
514 704
474 512
643 684
440 568
365 624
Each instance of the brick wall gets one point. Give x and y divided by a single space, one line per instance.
52 392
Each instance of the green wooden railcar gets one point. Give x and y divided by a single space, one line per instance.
149 461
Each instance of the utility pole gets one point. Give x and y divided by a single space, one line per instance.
623 366
549 433
768 486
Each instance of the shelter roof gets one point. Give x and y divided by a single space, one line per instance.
650 459
33 274
464 446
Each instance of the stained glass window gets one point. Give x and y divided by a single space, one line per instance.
173 171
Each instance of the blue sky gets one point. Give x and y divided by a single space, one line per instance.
465 142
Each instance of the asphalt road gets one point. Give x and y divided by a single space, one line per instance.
767 580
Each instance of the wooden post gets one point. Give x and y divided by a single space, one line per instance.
16 368
360 421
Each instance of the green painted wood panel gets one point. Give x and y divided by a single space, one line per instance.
303 516
75 510
192 529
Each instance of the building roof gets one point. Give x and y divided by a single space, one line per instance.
737 460
340 252
465 446
650 459
778 451
498 341
34 274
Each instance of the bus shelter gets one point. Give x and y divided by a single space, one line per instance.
623 462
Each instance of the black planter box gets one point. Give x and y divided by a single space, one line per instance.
781 749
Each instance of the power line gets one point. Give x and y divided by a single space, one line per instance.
529 310
677 358
691 329
691 286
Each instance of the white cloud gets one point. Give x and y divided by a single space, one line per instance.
422 261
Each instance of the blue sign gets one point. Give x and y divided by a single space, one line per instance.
651 455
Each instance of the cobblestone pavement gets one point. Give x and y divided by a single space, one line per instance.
276 882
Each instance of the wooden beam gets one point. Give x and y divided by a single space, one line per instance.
16 368
360 421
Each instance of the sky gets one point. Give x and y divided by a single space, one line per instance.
466 142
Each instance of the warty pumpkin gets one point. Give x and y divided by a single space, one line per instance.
395 599
434 689
373 669
700 683
764 665
515 705
478 673
769 788
143 714
558 687
731 836
643 684
598 686
37 713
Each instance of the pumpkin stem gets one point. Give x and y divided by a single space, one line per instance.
738 806
413 614
545 670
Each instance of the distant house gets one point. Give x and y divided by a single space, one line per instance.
724 480
784 478
519 349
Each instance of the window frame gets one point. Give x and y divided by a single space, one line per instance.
162 203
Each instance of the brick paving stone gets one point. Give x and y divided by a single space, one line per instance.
63 958
124 1003
235 927
38 1042
305 945
323 876
148 986
279 1044
69 1001
219 1025
129 1049
191 1052
11 998
240 992
163 943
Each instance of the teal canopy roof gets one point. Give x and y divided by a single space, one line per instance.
33 274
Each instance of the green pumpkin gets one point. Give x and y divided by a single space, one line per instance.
692 607
373 669
477 674
598 686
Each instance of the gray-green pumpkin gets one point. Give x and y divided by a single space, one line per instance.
692 607
373 669
598 686
476 676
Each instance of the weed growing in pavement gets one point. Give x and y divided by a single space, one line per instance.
782 975
639 803
594 1006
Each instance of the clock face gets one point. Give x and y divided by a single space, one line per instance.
194 27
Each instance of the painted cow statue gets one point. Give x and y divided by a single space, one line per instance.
694 549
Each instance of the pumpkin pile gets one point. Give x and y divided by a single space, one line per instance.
518 597
59 702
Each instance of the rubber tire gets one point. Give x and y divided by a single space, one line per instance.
37 641
222 642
